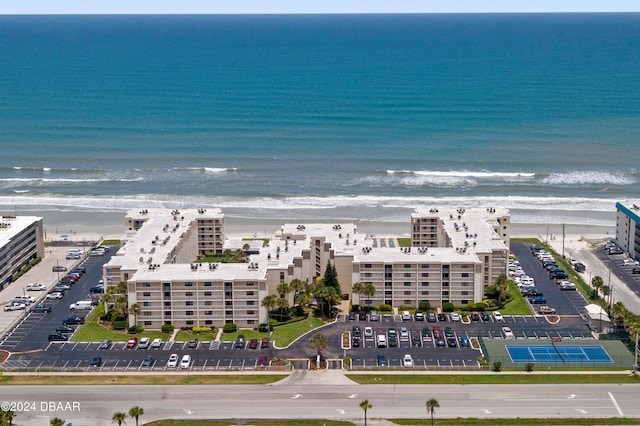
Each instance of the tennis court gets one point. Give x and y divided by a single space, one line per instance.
557 353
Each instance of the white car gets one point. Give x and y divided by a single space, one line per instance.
497 317
407 361
368 333
454 316
15 307
185 362
27 300
156 343
144 343
508 334
173 361
36 287
54 295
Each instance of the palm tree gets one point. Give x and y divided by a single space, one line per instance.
502 285
135 311
107 297
369 290
596 283
358 288
121 305
296 286
269 302
282 304
56 421
318 342
365 405
8 415
136 412
432 404
119 418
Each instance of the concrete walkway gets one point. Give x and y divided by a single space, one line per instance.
316 377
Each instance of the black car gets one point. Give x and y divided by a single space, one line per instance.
415 339
40 309
636 270
431 316
485 316
64 329
419 316
355 331
448 332
442 317
362 316
73 320
96 362
382 360
579 267
58 337
440 341
96 289
355 341
352 316
240 341
560 275
452 342
539 300
532 292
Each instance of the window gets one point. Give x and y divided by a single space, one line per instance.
146 314
407 293
250 293
189 322
148 323
189 313
189 303
424 293
228 303
367 266
208 312
208 322
425 266
188 294
407 266
208 293
167 304
251 312
208 303
188 284
407 284
251 321
207 284
250 302
281 277
146 303
407 275
465 275
425 275
424 283
228 313
146 294
146 284
465 293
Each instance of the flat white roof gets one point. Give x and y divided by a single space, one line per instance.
13 225
184 272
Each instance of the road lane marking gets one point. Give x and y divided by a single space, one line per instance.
296 396
353 395
615 403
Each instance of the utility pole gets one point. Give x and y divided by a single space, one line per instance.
563 241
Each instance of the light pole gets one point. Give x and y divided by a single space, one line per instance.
635 355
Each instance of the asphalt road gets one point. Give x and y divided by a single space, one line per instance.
95 405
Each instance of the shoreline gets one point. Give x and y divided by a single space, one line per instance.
93 224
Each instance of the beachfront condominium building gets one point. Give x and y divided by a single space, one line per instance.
21 241
451 256
628 227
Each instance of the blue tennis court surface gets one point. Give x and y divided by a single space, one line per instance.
556 353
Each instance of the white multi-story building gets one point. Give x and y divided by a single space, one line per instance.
628 227
21 241
453 256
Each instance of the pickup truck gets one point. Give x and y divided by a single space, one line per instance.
15 307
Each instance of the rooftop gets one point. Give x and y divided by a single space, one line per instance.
10 226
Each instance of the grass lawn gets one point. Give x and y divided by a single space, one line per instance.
518 306
490 379
285 334
248 335
515 422
404 242
253 422
167 379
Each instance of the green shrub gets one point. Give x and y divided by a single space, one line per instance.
528 367
384 307
448 307
424 305
201 329
230 328
137 329
167 328
497 366
119 325
263 328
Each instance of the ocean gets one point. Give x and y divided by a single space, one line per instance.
359 117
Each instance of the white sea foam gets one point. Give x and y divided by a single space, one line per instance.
587 178
207 169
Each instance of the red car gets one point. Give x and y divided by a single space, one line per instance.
253 344
132 342
262 361
265 343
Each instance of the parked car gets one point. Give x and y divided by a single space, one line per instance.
96 289
64 329
475 316
36 287
508 334
415 339
426 333
614 251
539 300
636 270
497 317
560 275
41 309
464 342
58 337
54 295
264 344
105 344
157 342
262 361
419 316
382 360
362 316
352 316
144 343
240 341
132 342
404 334
368 333
59 268
73 320
253 344
355 331
442 317
431 316
568 286
96 362
185 362
193 343
407 361
485 316
452 342
15 307
148 362
448 332
355 342
173 361
454 316
579 267
61 287
27 300
373 316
